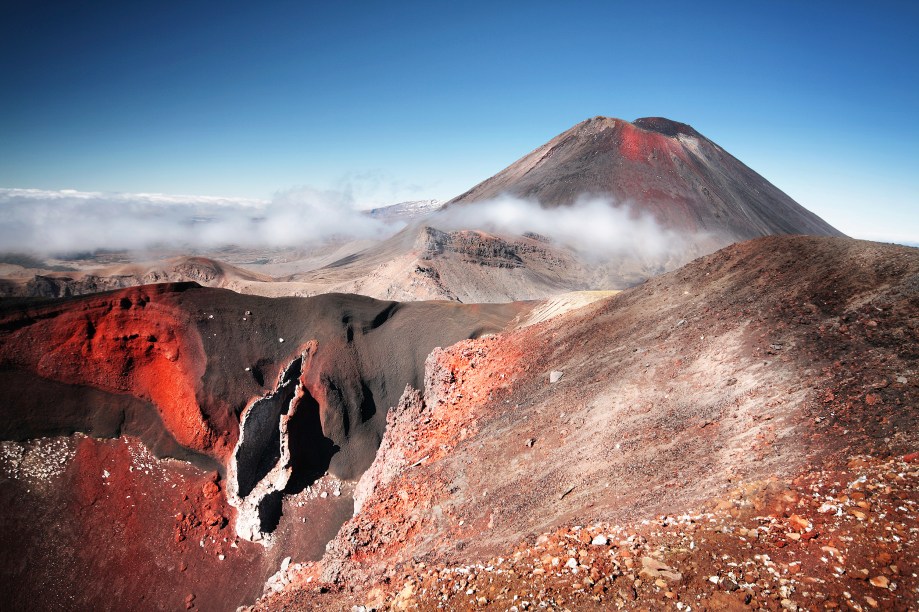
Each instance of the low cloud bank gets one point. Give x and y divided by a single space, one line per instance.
67 221
595 227
62 222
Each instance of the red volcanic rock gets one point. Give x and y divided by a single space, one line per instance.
176 366
211 489
728 556
131 342
100 531
687 182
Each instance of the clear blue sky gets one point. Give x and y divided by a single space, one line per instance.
407 100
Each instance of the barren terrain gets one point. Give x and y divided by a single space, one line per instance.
459 416
746 391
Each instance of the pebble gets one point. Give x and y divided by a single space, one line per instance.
880 582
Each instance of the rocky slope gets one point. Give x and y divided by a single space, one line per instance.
422 262
739 432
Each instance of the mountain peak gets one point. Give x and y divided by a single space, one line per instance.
665 126
661 167
659 125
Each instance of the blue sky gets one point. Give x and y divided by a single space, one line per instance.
403 100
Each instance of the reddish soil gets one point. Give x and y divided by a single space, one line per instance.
751 389
131 342
741 432
100 524
830 539
640 144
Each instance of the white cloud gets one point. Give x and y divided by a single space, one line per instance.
67 221
63 221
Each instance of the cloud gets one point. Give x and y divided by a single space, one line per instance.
595 227
67 221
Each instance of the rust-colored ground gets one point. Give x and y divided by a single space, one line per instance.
830 539
751 384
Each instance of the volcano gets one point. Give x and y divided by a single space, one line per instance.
271 405
698 198
663 167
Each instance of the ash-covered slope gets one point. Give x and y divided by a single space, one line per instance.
727 386
665 168
423 262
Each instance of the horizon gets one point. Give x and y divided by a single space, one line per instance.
417 102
